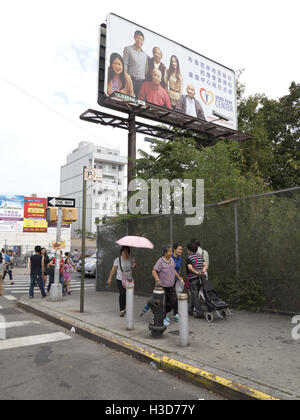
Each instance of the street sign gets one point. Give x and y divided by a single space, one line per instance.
93 174
61 202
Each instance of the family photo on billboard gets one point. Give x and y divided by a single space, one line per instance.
156 70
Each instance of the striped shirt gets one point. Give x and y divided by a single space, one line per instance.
192 259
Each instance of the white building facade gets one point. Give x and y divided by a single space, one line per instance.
105 197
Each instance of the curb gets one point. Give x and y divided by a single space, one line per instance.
225 387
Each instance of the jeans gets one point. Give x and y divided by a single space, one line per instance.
9 272
36 278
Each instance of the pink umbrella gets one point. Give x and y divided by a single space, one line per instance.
135 242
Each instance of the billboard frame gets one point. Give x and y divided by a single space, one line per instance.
103 96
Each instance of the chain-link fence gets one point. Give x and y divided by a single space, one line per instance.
253 244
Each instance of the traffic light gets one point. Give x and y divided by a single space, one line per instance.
51 214
69 215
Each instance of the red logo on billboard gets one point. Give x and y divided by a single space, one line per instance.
207 96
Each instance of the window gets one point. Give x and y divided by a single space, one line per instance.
104 206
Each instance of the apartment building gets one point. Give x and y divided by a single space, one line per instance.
103 197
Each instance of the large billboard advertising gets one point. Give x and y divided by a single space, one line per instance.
35 215
142 64
26 214
11 213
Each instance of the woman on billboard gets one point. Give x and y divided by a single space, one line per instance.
118 79
174 81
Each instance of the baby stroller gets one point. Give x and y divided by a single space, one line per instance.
214 306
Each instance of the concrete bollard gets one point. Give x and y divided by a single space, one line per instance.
56 293
130 306
183 319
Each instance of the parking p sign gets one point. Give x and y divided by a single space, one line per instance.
93 174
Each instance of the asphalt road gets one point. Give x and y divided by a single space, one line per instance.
42 361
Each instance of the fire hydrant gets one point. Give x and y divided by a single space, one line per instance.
156 304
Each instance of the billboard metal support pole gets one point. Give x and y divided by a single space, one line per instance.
131 149
83 243
56 288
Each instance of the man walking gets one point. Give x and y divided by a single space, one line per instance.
8 257
36 270
1 274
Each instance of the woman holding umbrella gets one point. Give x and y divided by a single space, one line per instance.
123 266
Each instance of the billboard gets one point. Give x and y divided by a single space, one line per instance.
11 213
27 215
142 64
35 215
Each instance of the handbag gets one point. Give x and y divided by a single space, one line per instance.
187 281
125 281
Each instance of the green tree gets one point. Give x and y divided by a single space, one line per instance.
220 166
274 153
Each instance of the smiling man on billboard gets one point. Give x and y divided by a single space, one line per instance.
153 91
136 61
189 105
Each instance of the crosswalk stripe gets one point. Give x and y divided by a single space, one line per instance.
27 285
1 307
38 291
9 297
17 324
32 340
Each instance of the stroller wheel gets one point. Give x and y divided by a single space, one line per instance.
209 317
223 315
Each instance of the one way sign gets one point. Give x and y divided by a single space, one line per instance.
61 202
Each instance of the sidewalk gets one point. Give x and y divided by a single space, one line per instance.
250 355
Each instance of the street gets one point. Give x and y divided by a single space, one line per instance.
40 360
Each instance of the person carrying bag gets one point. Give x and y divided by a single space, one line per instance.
123 265
195 267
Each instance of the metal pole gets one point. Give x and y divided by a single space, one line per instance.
131 148
236 228
183 319
171 228
130 306
83 243
56 288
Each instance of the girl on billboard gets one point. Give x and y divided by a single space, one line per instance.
118 79
174 81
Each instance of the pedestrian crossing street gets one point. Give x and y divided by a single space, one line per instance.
21 287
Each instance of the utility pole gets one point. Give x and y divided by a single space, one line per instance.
56 288
83 242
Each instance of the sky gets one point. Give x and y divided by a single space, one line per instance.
49 70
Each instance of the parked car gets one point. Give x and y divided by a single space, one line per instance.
90 266
89 253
